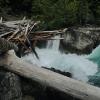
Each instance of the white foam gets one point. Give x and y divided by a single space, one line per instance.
79 66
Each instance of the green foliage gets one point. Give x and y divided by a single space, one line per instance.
55 14
64 13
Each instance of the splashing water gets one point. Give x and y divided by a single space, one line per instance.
54 44
79 66
95 55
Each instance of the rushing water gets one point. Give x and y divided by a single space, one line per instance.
54 44
79 66
95 56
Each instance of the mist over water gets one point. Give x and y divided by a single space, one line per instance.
78 66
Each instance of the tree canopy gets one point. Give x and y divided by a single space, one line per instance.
55 13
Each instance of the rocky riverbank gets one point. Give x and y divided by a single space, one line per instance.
80 40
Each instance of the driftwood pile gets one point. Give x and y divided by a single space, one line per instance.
24 34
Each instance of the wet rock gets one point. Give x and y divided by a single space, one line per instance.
79 41
10 87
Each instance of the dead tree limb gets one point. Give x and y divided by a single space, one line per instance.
50 79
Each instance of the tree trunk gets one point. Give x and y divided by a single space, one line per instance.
50 79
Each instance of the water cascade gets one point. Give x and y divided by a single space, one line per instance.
54 44
80 67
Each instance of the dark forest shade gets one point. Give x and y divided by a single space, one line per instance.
54 13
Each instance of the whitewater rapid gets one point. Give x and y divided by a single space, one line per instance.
78 66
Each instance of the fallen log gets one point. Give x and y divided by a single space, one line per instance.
14 24
50 79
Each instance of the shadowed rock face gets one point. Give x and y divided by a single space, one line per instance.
79 41
10 88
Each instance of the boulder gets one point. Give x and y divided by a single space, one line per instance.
79 41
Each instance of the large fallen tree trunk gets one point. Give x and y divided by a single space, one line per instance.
50 79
